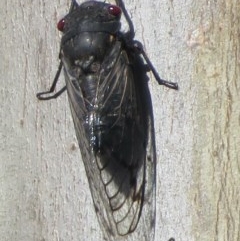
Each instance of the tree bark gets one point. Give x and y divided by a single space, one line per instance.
44 194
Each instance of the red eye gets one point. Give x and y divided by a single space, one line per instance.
114 10
60 25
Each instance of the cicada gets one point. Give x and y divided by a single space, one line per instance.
106 81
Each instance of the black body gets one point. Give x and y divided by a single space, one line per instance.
111 108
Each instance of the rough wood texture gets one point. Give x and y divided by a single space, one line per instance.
44 194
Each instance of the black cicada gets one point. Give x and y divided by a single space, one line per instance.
111 109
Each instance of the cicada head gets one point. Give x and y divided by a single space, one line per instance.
91 16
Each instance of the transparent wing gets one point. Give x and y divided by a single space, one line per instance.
121 173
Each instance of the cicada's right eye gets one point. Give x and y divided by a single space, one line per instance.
61 24
114 10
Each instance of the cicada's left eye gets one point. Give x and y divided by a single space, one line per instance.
61 24
114 10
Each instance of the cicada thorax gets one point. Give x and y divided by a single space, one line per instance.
85 54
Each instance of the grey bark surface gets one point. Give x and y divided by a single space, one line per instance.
44 194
